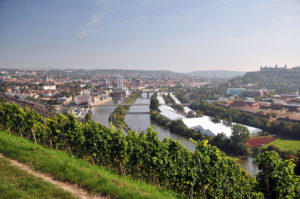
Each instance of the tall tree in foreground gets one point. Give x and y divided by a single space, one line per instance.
276 177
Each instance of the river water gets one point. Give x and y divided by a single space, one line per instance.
102 113
141 121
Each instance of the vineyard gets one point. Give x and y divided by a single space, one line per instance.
167 164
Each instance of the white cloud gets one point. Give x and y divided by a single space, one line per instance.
95 20
90 27
86 32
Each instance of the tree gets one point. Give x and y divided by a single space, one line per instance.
221 141
215 119
240 134
276 177
178 107
191 114
177 126
199 113
154 104
88 117
227 122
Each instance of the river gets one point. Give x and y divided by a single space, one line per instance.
102 113
141 121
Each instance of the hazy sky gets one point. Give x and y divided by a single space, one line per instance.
178 35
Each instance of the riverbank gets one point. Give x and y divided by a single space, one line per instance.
177 127
117 117
102 101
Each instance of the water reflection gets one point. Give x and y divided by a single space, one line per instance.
248 164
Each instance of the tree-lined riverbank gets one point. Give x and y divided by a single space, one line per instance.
117 117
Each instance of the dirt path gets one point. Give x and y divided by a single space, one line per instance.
72 188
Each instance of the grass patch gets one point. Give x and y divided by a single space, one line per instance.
286 145
65 168
15 183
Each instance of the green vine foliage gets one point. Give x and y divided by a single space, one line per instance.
277 178
145 157
222 176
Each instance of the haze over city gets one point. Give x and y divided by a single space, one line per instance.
177 35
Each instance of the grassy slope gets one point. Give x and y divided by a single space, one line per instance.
66 168
286 145
16 183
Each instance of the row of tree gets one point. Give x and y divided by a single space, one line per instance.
165 163
169 99
181 96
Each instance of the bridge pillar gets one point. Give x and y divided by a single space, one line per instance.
148 96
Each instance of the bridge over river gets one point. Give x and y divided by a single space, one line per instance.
142 104
131 112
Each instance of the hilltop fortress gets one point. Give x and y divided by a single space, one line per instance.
279 69
273 69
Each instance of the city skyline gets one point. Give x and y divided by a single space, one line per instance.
180 36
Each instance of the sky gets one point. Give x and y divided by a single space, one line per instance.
176 35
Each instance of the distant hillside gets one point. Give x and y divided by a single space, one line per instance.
151 73
224 74
280 81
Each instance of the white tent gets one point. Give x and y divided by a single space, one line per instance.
169 113
187 110
209 128
160 99
175 99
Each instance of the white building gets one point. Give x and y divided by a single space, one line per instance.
85 92
234 91
53 87
120 82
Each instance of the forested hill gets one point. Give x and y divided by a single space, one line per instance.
223 74
281 81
